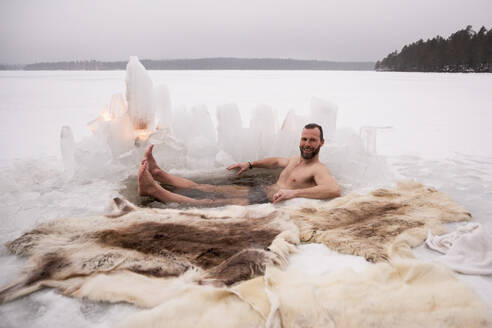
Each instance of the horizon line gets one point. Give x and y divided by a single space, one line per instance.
190 59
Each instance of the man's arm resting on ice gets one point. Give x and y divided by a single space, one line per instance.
326 187
316 192
267 163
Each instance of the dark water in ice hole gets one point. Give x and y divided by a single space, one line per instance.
256 179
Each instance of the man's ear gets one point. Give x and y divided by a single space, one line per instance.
322 142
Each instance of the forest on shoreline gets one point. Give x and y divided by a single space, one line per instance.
463 51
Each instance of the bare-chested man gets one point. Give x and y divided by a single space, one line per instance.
302 176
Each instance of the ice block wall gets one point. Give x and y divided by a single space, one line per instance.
140 95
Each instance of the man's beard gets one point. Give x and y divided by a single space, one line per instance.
311 154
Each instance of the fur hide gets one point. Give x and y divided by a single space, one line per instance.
380 225
222 246
403 294
406 293
219 247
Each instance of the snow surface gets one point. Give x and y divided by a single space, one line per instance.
431 127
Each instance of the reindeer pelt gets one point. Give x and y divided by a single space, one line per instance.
380 225
406 293
221 247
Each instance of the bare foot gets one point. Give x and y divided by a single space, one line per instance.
162 176
154 169
146 184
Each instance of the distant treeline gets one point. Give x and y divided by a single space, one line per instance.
10 67
464 51
204 64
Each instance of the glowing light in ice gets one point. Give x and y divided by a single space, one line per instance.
106 116
141 135
139 95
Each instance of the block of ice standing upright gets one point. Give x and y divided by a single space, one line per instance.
229 124
263 126
164 112
117 106
194 122
140 95
293 122
202 123
287 139
368 135
324 113
121 137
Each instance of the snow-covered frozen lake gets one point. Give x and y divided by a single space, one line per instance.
437 129
435 115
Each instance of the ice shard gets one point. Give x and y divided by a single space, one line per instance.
368 135
287 140
197 122
324 113
202 123
263 127
139 96
121 136
164 112
181 129
293 122
117 106
99 126
202 146
196 130
230 130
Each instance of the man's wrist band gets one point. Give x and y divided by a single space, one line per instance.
250 165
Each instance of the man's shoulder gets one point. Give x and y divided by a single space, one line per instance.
319 163
320 166
294 159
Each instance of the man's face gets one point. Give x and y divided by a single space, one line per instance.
310 143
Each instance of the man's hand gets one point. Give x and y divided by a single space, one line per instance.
241 166
283 194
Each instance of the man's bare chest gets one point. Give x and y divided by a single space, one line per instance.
297 177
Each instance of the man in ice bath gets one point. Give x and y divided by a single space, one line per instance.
302 176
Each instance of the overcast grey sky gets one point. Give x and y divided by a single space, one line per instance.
349 30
